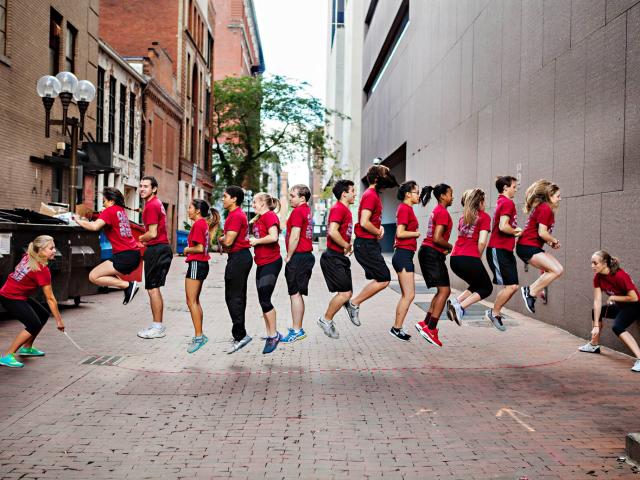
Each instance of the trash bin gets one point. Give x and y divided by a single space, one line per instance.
181 241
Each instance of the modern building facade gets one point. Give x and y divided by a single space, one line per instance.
460 92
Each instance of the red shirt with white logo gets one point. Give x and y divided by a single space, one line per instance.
199 235
341 215
237 222
504 208
301 217
118 229
542 214
439 216
24 282
268 252
155 214
407 217
370 201
619 283
468 236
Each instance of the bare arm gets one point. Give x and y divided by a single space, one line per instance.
365 223
228 238
438 238
197 248
294 239
597 307
334 233
505 227
401 232
272 237
543 233
482 240
92 226
53 306
149 234
630 297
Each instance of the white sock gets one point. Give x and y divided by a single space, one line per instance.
157 325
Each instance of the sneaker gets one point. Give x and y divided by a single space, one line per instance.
10 361
495 319
529 301
455 311
400 334
420 325
448 308
329 328
636 366
197 343
294 336
544 295
353 312
431 336
590 348
153 332
271 343
130 292
238 344
30 352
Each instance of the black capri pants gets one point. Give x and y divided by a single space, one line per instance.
472 271
236 275
623 313
32 314
266 278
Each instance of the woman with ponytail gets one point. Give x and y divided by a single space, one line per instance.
622 305
30 274
205 220
432 257
126 254
266 232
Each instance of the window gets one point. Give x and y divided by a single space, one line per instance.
55 31
132 121
122 118
337 17
112 110
3 27
209 49
70 48
100 106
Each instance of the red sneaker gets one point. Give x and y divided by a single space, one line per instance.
421 325
431 336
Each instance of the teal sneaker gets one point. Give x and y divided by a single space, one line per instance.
10 361
30 352
197 343
294 336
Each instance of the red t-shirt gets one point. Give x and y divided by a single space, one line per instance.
269 252
468 236
341 215
23 282
407 217
118 229
199 234
439 216
370 201
499 239
237 222
542 214
155 214
618 283
301 217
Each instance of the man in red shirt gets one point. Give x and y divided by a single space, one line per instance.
157 256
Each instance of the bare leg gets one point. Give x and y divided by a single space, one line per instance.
369 290
408 289
192 290
552 271
463 296
297 310
22 338
105 275
470 300
503 297
157 304
270 322
336 303
630 342
439 301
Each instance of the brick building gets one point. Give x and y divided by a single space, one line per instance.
38 38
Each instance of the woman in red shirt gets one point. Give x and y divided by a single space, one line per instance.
266 232
30 274
542 199
126 253
623 305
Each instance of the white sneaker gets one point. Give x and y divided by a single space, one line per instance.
636 366
153 332
590 348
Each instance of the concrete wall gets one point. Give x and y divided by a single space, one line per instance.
535 89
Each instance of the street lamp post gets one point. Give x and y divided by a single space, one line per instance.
66 86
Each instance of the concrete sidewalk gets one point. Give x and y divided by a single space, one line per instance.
490 404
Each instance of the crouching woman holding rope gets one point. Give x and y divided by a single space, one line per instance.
30 274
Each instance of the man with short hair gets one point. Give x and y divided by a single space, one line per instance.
158 255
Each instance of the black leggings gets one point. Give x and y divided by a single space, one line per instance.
266 278
236 274
31 313
472 271
623 313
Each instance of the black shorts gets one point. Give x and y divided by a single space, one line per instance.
126 262
369 255
624 313
298 273
336 269
157 261
403 260
503 265
525 252
433 267
197 270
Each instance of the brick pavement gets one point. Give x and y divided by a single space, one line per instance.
392 410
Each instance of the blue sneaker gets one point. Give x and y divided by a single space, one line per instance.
197 343
294 336
10 361
271 343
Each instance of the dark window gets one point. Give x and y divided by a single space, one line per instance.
132 121
122 118
100 106
3 27
207 108
112 110
70 48
337 17
209 49
55 31
57 184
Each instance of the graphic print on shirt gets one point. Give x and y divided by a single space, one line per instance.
465 230
123 224
430 226
22 269
309 232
